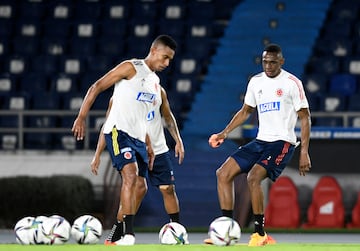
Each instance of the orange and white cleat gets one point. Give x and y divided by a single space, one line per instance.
257 240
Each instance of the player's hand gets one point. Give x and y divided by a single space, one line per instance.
78 129
215 140
95 165
179 152
304 164
151 157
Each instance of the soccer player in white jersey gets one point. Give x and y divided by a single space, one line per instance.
280 100
161 175
136 89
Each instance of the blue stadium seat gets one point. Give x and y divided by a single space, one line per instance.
201 10
5 48
32 83
57 28
16 64
110 47
173 10
38 141
53 46
173 27
88 9
343 84
116 9
352 65
63 83
113 28
315 83
26 46
80 46
332 103
72 64
8 84
6 28
354 102
145 10
27 28
33 10
45 101
45 64
99 63
325 65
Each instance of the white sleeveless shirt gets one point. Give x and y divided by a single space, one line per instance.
277 100
156 130
134 101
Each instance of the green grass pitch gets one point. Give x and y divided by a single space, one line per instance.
191 247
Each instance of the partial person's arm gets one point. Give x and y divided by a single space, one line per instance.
101 144
150 152
171 126
238 119
121 71
304 159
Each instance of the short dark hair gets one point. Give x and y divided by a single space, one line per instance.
273 48
166 40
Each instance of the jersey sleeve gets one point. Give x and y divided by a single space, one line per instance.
250 95
298 96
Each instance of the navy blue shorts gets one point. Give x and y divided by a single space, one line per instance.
124 149
273 156
163 172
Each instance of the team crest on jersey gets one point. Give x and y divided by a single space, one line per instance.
271 106
279 92
127 155
146 97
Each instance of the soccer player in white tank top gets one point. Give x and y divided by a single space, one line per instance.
136 85
161 175
280 99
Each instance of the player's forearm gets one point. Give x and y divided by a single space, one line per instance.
305 134
239 118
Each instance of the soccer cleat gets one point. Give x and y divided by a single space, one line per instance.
127 240
257 240
270 240
208 241
114 235
109 243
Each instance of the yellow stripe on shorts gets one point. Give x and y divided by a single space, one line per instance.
115 143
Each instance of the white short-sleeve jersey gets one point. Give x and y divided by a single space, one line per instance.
156 130
134 101
277 101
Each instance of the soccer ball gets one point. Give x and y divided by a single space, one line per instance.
35 234
86 230
22 228
224 231
173 233
55 230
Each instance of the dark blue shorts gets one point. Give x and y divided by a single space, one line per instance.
162 173
273 156
124 149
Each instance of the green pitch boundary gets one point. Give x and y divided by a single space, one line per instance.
195 247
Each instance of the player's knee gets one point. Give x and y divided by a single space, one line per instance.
168 189
222 175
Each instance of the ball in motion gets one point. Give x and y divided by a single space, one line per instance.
86 229
173 233
224 231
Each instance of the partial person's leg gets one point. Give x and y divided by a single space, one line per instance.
225 185
256 175
171 202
